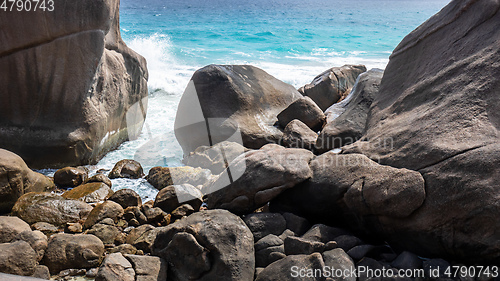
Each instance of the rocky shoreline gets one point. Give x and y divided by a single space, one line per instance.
390 173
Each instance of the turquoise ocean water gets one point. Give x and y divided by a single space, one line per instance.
294 40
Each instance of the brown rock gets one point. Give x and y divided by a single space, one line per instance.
17 258
107 233
100 178
216 158
17 179
73 227
148 267
126 198
298 135
172 196
10 227
127 168
46 228
85 102
182 211
108 209
305 110
161 177
332 85
37 241
73 251
89 192
47 207
70 176
115 268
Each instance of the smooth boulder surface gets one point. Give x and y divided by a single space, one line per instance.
10 227
161 177
332 85
258 176
298 135
71 88
438 106
353 189
126 198
172 196
231 102
73 251
17 258
148 267
115 267
208 245
107 209
89 192
305 110
346 120
36 207
216 158
17 179
37 241
70 176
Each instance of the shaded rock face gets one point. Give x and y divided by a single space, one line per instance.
70 176
127 168
355 189
223 99
347 119
126 198
73 251
216 158
298 135
438 104
17 258
71 80
305 110
36 207
258 176
17 179
172 196
332 85
208 245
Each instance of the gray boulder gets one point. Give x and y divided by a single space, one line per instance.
297 135
237 102
148 267
263 224
17 179
332 85
437 112
305 110
126 168
346 120
161 177
216 158
256 177
115 267
37 241
208 245
71 88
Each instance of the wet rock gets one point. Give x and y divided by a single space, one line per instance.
263 224
10 227
161 177
115 267
126 198
172 196
126 168
154 215
231 97
305 110
258 177
89 192
51 208
67 251
208 245
332 85
108 209
182 211
17 258
134 213
100 178
297 135
70 176
37 241
17 179
347 119
216 158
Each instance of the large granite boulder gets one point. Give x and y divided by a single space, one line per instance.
17 179
71 89
346 120
47 207
17 258
231 102
258 176
208 245
73 251
10 227
161 177
438 112
332 85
